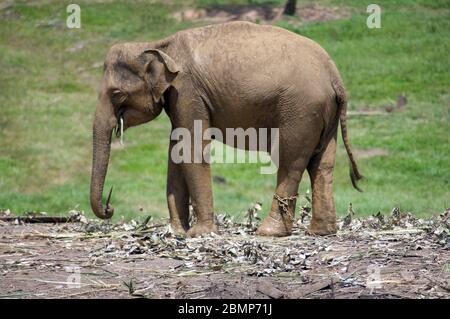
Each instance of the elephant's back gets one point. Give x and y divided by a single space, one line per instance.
243 65
236 50
246 40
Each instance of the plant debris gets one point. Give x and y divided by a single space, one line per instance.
382 256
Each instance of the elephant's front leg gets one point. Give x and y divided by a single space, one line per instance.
197 173
177 196
198 177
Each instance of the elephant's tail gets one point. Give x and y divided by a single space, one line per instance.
341 99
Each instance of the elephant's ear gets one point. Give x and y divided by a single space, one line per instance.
160 71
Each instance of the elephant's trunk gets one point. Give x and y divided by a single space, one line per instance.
103 125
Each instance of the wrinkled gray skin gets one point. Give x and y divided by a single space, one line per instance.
229 75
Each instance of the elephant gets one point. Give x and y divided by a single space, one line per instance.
229 75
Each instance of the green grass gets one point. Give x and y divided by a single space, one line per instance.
49 94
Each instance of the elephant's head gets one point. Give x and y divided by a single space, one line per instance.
135 80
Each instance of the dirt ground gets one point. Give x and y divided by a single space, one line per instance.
260 13
396 256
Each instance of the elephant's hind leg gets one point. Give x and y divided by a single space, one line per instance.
298 140
280 219
320 170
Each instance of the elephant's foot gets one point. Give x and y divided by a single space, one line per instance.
202 228
276 225
322 227
178 229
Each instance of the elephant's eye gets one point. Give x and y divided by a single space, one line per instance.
118 96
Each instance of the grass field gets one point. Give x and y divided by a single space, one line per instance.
49 76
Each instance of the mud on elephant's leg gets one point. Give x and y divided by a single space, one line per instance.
281 217
320 170
177 197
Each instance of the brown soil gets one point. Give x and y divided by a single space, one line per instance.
396 256
260 13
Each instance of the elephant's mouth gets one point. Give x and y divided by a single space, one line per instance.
151 109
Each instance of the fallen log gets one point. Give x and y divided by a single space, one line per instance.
314 287
40 219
